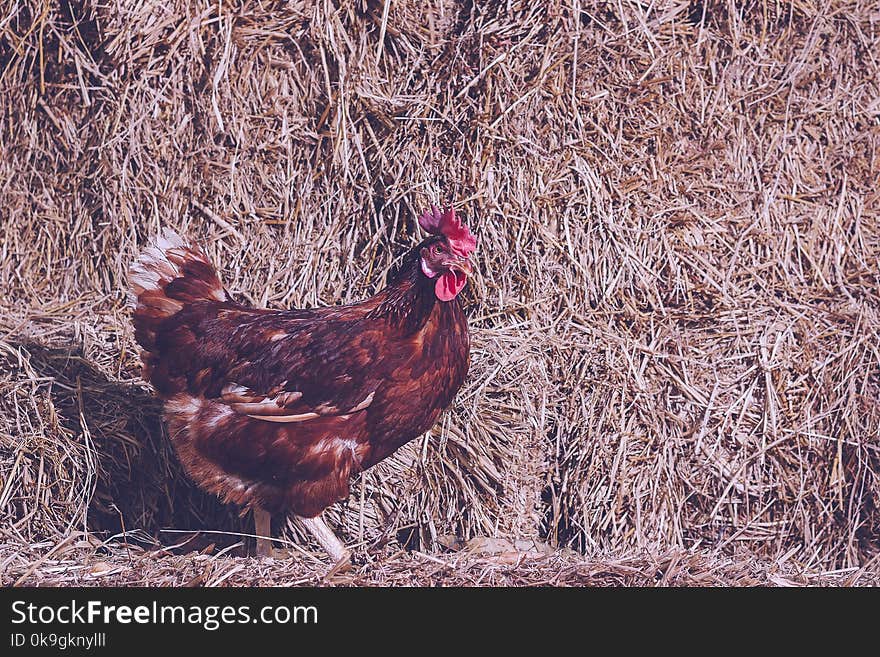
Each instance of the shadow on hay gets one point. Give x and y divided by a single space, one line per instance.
139 483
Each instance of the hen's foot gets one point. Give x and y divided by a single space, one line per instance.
263 531
328 540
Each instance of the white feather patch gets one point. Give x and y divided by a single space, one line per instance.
154 269
302 417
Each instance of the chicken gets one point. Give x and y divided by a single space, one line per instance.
275 410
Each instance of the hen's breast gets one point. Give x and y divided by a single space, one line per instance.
422 377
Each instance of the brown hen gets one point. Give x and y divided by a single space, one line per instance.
275 410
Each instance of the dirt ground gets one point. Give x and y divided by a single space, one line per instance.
496 565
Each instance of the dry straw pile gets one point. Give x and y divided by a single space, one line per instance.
676 318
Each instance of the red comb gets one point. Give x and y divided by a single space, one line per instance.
447 224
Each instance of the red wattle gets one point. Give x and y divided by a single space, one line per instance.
449 284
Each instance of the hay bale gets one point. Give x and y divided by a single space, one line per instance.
677 311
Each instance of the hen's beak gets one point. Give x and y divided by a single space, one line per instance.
457 263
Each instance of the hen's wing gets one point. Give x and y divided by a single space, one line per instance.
277 366
273 402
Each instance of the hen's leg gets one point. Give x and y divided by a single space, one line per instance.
327 539
263 530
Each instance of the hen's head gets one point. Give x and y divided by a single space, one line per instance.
446 255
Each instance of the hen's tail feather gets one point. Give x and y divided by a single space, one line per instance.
168 275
